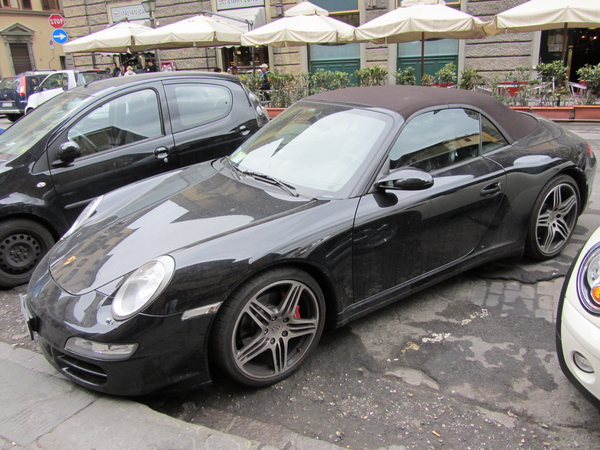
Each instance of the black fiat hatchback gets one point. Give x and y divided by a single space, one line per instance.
96 138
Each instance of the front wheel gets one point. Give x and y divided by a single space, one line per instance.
268 327
553 219
23 243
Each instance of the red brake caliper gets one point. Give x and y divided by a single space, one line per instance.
297 312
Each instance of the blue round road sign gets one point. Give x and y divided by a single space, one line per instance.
60 36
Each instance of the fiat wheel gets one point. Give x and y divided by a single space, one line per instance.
268 327
554 218
23 243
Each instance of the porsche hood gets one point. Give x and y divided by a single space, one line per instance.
182 209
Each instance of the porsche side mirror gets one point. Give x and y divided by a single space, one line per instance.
38 89
406 179
68 151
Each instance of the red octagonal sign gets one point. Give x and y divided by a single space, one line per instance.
56 20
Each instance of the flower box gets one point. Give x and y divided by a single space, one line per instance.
553 112
273 112
587 112
521 108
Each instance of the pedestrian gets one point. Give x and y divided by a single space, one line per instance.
150 67
234 70
217 70
115 70
265 86
122 71
129 71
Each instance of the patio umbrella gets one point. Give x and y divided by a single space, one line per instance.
303 24
417 21
536 15
197 31
117 38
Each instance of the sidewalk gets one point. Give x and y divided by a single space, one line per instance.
43 411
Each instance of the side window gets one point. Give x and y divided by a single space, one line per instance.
52 82
121 121
437 139
491 138
191 105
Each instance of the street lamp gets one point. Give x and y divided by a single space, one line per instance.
150 7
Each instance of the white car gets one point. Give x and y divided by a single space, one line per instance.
61 81
578 321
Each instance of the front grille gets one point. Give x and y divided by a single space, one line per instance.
83 371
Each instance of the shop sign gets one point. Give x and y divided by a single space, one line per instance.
234 4
131 12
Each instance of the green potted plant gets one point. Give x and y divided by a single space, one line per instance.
427 80
447 75
406 76
470 79
590 76
371 76
552 90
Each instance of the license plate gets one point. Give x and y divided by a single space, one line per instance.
27 315
7 104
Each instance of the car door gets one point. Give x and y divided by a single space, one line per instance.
122 139
52 86
401 236
205 123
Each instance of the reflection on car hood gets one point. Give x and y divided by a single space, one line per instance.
185 208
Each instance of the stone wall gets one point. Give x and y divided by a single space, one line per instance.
497 55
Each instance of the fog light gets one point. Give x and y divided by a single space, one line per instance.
582 363
101 351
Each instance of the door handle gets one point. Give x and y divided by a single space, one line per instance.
243 130
161 152
491 189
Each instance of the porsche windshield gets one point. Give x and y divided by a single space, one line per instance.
316 148
23 134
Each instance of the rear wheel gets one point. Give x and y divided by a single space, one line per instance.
23 243
553 219
13 117
268 327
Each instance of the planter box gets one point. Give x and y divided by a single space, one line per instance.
273 112
587 111
521 108
553 112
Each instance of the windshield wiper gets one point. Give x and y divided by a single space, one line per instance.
269 179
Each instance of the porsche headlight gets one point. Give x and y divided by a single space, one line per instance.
88 212
142 287
588 281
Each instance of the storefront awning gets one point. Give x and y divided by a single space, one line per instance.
256 15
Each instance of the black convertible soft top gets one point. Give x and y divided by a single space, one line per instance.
408 100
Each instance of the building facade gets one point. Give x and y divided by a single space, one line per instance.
26 36
493 55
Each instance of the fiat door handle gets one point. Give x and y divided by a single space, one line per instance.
492 189
243 130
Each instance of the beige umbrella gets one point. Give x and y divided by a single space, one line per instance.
197 31
538 15
303 24
117 38
415 21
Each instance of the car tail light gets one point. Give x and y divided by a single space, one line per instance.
589 150
23 87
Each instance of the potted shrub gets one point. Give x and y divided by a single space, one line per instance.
446 75
371 76
470 79
589 109
406 76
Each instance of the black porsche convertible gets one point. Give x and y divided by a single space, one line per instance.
346 202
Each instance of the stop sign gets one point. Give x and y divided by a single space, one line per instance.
56 20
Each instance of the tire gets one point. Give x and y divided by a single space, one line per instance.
553 219
23 243
268 327
13 117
